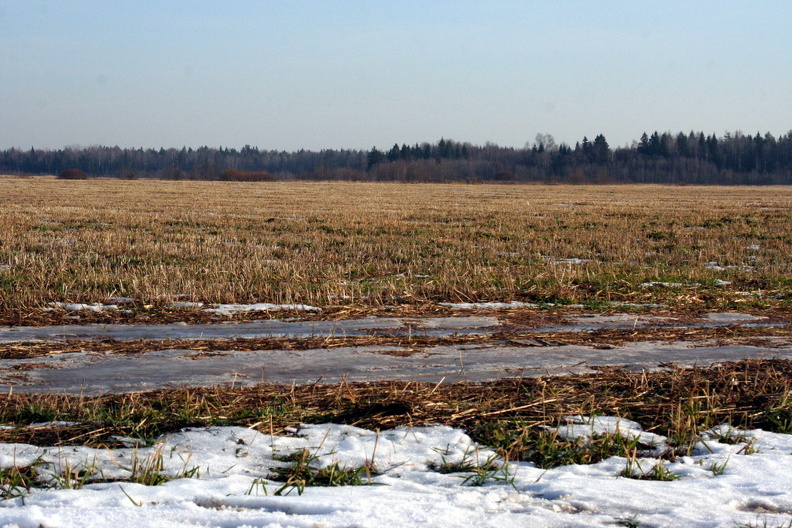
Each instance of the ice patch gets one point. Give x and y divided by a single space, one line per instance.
733 318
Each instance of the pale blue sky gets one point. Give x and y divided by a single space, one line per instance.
353 74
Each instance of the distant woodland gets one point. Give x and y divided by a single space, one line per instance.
693 158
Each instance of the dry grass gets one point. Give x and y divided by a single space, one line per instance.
389 249
371 245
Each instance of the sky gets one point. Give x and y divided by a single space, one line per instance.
300 74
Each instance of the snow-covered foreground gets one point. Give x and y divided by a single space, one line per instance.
231 488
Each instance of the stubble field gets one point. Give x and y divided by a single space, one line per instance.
342 246
550 270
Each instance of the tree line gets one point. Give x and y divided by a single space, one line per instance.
695 158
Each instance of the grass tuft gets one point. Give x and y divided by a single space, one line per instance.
303 471
17 481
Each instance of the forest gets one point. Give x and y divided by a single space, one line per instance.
692 158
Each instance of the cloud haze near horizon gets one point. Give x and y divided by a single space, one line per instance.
332 74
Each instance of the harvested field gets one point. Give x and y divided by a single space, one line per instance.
568 330
352 246
110 252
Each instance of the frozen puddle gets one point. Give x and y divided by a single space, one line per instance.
432 326
436 327
89 372
588 323
96 373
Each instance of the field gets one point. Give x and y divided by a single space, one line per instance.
661 258
356 249
345 246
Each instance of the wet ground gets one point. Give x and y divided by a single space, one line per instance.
91 371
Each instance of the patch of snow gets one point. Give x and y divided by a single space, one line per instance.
233 486
590 426
487 305
573 260
4 267
58 423
753 247
719 282
77 307
715 267
186 304
653 284
229 309
120 300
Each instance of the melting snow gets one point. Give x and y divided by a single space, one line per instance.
714 266
228 309
488 305
120 300
653 284
77 307
234 465
555 260
222 309
186 304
